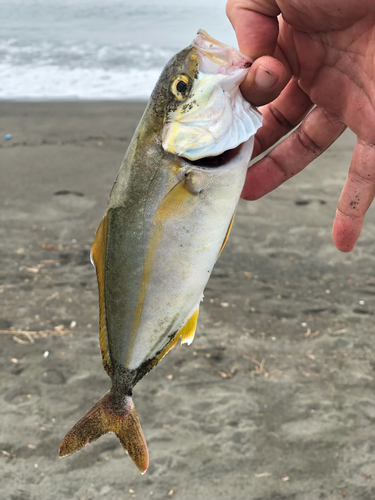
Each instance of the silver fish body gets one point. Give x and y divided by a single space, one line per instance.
167 221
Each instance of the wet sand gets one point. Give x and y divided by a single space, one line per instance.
274 400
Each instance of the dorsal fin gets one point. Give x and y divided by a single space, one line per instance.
98 256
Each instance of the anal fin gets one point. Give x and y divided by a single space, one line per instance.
187 332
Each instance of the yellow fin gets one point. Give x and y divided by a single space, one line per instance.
98 255
180 201
187 332
227 235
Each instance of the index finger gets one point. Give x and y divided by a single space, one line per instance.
257 30
255 24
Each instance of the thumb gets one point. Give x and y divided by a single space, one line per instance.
255 24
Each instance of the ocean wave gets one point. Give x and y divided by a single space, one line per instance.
53 82
78 55
96 49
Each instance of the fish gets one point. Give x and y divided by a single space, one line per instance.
168 218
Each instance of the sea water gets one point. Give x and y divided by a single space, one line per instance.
97 49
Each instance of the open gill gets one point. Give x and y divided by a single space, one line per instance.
215 161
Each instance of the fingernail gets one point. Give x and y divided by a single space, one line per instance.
264 78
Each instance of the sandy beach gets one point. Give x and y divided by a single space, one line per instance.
274 400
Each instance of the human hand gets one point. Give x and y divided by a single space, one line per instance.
328 47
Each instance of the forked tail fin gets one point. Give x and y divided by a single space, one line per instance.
107 416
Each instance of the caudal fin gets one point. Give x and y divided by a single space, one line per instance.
105 417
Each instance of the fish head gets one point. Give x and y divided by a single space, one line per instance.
206 114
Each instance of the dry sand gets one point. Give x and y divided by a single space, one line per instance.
274 400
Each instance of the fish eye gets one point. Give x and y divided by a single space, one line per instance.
180 87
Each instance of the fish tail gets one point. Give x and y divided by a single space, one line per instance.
110 415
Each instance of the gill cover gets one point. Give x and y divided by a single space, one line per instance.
214 117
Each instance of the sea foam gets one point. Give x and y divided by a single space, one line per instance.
79 71
97 49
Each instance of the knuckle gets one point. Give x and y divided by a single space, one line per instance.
280 118
307 142
362 178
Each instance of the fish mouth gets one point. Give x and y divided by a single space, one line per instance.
217 57
209 128
213 162
214 117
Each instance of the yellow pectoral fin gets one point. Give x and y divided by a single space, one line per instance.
227 235
181 199
98 254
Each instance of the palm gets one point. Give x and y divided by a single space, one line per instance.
336 71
